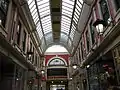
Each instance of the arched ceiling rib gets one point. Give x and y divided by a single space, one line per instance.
56 21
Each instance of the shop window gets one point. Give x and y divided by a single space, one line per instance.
105 12
87 40
101 75
93 77
24 40
3 11
18 33
116 54
19 78
92 32
117 2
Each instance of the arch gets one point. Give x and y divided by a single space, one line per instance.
57 57
56 62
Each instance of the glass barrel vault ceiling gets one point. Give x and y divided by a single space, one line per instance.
41 14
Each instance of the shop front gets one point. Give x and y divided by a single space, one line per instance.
116 54
12 76
102 74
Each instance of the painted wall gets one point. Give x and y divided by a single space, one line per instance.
62 56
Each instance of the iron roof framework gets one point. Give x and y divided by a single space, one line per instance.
41 15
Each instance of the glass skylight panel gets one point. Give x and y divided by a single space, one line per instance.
77 12
63 37
80 2
67 10
47 30
72 30
74 20
39 30
72 34
45 12
67 7
43 9
77 16
69 42
46 23
34 13
41 17
46 26
30 1
43 44
31 4
73 26
66 19
42 1
67 24
49 39
78 7
33 8
68 2
65 30
36 18
44 6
